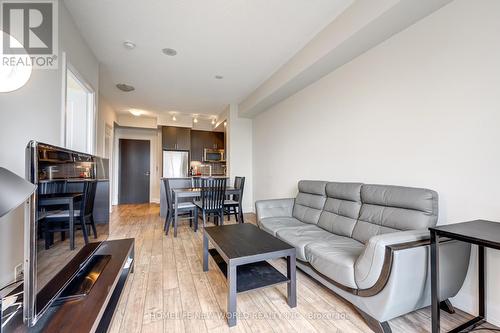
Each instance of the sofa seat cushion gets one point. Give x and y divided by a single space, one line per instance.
335 257
273 224
302 236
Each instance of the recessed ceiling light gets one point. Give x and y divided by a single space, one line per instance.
169 51
219 77
125 87
129 45
135 112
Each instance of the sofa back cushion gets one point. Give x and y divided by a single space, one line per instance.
386 209
341 210
309 201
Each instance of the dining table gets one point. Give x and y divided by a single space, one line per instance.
193 193
66 199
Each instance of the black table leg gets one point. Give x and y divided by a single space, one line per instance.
482 281
205 251
240 213
435 282
292 284
231 293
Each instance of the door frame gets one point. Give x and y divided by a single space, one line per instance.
152 135
120 179
67 67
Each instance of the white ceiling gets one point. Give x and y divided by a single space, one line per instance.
244 40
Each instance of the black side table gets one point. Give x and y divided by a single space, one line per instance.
481 233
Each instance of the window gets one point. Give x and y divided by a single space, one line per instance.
79 130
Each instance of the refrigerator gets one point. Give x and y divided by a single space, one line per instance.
175 164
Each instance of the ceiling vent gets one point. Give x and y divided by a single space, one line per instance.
125 87
170 52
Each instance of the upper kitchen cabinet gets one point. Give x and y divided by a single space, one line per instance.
200 140
176 138
218 140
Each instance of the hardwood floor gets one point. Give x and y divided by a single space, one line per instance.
169 292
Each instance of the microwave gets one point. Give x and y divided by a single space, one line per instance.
213 155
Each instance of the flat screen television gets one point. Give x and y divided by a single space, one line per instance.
49 253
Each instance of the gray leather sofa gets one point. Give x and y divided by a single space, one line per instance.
367 243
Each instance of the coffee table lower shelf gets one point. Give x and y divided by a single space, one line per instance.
251 276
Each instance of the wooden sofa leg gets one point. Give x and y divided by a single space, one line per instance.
447 306
374 324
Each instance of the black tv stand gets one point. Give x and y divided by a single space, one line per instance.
93 300
85 279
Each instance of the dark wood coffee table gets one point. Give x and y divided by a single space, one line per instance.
241 251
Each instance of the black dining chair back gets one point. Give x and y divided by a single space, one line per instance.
239 184
213 192
171 184
52 187
197 182
90 188
234 205
212 195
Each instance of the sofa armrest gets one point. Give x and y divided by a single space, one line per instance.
274 208
370 264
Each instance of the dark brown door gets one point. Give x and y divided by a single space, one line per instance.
134 171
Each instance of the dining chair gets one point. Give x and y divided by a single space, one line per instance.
185 205
196 181
58 220
211 201
89 207
52 187
233 205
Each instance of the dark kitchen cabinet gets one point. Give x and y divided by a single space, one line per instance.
183 138
169 137
218 140
198 140
176 138
205 139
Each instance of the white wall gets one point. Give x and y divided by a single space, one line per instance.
154 137
139 122
106 117
239 153
34 113
421 109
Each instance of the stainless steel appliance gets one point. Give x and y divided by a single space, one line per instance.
175 164
213 155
